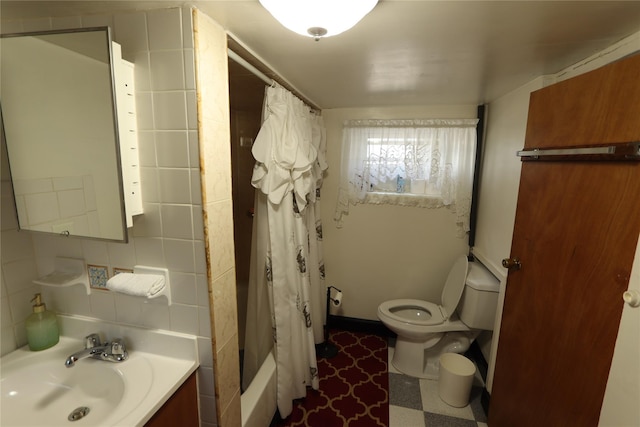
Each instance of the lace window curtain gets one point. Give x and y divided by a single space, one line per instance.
423 163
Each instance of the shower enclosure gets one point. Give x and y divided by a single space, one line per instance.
278 248
246 94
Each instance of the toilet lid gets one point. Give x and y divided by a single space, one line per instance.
454 286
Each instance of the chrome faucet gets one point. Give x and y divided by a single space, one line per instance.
115 351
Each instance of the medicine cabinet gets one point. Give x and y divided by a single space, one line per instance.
68 116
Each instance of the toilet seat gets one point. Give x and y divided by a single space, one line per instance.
401 311
425 313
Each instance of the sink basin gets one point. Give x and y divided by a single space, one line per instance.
37 389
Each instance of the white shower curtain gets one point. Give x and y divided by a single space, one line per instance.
286 282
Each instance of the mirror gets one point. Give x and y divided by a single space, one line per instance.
59 121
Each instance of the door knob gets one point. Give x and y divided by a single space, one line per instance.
511 263
632 298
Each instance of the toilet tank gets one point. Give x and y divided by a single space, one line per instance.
479 301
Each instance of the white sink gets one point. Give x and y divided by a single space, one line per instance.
37 389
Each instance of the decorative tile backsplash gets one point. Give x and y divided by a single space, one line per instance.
98 276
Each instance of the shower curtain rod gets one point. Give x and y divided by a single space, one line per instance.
268 80
234 56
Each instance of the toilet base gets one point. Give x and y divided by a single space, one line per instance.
422 359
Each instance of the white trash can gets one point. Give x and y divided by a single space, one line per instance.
456 378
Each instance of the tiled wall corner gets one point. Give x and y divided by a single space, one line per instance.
214 130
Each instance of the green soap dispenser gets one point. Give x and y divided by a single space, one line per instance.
42 326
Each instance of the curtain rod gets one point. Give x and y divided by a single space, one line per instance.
242 52
235 57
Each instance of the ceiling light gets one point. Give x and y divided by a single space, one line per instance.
319 18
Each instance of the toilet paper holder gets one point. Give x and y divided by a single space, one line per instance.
337 299
326 349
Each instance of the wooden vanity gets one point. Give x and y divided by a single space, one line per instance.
181 409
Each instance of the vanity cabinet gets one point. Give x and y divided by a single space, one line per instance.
181 409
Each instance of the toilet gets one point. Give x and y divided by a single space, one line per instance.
426 330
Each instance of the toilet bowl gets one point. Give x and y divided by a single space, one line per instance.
426 330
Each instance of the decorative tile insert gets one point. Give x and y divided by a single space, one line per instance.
98 276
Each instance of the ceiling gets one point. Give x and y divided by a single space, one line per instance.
411 52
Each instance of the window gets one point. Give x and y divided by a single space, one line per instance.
423 163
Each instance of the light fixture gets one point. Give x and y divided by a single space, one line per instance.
319 18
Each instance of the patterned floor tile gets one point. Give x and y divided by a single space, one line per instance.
416 403
404 391
475 402
439 420
405 417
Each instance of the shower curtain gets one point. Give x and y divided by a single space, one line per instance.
286 281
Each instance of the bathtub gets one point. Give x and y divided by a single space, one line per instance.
259 402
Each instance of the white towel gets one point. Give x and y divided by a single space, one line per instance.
144 285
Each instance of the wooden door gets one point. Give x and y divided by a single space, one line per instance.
576 230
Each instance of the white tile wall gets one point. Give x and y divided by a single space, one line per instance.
172 148
170 233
